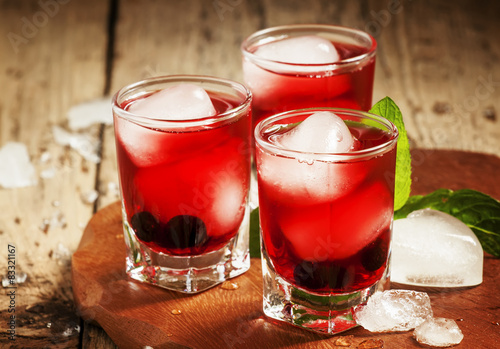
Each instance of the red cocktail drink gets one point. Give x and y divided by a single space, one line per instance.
184 181
326 217
291 75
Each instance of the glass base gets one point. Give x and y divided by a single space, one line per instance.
187 274
326 314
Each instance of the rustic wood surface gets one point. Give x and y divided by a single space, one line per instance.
437 59
137 315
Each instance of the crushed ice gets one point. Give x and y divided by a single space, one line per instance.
57 220
113 189
438 332
19 279
89 197
86 145
432 248
405 310
394 310
71 329
16 169
86 114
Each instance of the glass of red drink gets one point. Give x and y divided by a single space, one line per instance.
184 180
325 218
306 71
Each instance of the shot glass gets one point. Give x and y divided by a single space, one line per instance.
281 77
184 185
325 220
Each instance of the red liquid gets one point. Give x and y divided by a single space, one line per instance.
275 93
185 192
335 237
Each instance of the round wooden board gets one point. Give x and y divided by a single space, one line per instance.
136 315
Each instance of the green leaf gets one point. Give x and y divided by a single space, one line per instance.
477 210
389 110
254 234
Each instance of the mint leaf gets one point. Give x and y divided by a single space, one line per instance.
254 234
477 210
389 110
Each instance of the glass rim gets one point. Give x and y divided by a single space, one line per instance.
320 28
172 124
278 150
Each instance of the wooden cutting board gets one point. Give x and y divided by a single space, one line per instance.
136 315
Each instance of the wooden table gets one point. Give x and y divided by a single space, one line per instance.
438 60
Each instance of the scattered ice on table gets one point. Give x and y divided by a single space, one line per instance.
61 254
48 173
45 157
47 170
19 279
57 220
181 102
309 49
97 111
322 132
438 332
16 169
432 248
90 196
86 145
394 310
71 329
113 189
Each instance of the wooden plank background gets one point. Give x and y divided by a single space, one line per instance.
437 59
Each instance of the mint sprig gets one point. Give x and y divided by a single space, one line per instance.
389 110
480 212
254 234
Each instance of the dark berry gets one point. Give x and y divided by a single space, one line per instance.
184 231
314 276
374 255
340 277
145 225
309 275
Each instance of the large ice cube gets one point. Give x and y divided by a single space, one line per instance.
438 332
322 132
180 102
306 178
432 248
394 310
271 83
148 147
308 49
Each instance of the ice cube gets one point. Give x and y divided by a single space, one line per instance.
85 144
308 49
180 102
184 101
438 332
322 132
394 310
16 169
432 248
89 113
